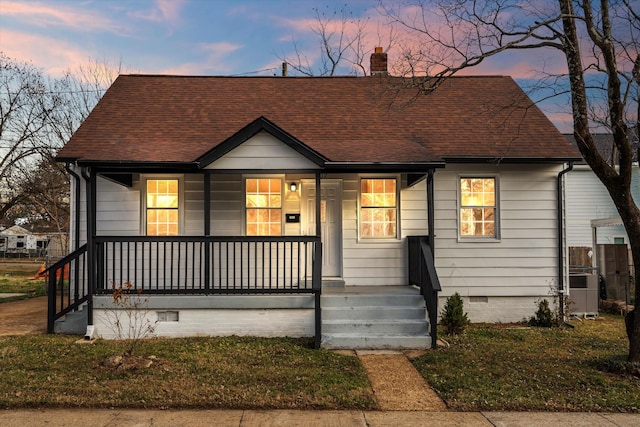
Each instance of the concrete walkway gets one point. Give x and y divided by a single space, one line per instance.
250 418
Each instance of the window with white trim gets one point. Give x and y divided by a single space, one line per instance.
162 207
478 207
378 208
263 206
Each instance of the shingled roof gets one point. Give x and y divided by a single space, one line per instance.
379 119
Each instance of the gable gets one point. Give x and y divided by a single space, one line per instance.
263 151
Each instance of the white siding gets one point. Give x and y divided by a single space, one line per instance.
586 198
118 209
380 262
263 151
227 205
193 205
523 262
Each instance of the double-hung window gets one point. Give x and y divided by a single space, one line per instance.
263 206
478 207
378 208
162 207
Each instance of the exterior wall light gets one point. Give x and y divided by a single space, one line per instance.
293 187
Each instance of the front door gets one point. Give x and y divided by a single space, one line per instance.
331 222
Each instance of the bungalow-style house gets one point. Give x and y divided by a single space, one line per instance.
202 194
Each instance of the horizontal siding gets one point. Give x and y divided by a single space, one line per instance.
193 216
586 199
263 151
118 209
227 205
380 262
524 260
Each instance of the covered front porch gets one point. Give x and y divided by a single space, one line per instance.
244 286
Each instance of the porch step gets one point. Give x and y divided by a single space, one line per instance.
375 342
332 283
375 327
380 312
374 317
73 323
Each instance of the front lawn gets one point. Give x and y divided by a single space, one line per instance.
494 367
55 371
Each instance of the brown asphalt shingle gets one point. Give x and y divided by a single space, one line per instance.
357 119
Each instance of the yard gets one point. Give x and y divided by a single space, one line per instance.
511 367
490 367
17 276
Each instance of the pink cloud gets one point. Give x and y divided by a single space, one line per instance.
43 52
62 16
215 60
163 11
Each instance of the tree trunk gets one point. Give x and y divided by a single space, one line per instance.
632 319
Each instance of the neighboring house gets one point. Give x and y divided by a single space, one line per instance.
587 200
594 229
18 241
202 193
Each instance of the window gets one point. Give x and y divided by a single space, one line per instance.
478 206
263 206
162 207
378 208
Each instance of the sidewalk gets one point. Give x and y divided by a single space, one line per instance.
250 418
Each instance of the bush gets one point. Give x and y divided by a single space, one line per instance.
453 317
544 316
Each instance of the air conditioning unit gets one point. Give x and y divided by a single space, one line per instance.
583 294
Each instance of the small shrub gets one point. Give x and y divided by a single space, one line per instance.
128 319
453 317
544 316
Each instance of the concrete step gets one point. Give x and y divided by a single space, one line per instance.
376 327
364 313
378 342
355 300
73 323
332 283
386 317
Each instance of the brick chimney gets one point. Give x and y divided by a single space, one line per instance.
378 62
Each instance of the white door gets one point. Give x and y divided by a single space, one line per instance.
331 223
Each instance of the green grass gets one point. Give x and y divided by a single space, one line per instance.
55 371
18 277
491 367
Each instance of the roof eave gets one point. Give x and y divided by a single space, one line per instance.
137 166
496 160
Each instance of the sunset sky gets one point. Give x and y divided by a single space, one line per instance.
206 37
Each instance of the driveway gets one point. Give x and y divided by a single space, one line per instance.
24 317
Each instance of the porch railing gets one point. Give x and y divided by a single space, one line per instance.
422 273
67 285
208 265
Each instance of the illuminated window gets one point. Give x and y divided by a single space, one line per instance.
162 207
478 205
378 208
264 206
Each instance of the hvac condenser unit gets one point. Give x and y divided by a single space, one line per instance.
583 294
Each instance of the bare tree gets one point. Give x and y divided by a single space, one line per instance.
26 107
343 45
37 116
599 41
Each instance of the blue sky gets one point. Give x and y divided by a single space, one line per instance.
198 37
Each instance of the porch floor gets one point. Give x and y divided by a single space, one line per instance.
371 290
